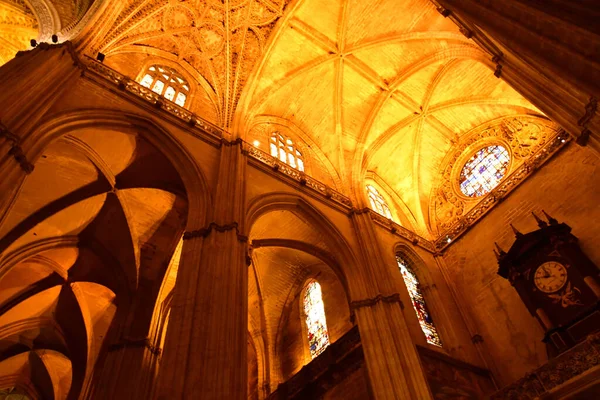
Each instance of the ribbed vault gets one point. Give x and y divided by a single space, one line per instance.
83 253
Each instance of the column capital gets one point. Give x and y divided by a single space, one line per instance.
213 226
393 298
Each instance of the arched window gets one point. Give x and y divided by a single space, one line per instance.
167 82
314 309
418 302
284 149
484 170
378 203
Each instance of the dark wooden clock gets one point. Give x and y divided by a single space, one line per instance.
558 283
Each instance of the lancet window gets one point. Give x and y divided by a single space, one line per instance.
418 302
168 83
377 201
314 309
484 170
284 149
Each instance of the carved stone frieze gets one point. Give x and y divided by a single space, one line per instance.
521 136
204 232
393 298
402 231
298 176
555 372
518 175
220 40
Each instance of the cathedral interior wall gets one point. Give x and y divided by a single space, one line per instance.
567 188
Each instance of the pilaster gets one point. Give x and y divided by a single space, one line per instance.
392 361
205 353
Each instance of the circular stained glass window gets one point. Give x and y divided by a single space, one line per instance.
484 170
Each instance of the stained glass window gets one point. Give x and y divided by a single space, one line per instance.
484 170
314 309
378 203
284 149
418 302
167 82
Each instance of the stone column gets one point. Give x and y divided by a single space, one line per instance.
131 354
205 353
393 365
552 47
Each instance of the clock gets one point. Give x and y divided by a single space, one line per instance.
550 277
557 282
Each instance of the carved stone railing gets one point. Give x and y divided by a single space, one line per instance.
131 86
298 176
127 84
500 192
338 361
402 231
443 241
569 365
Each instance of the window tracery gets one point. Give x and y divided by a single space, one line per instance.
414 290
314 310
167 82
482 172
284 149
378 203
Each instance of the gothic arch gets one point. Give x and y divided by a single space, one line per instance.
344 256
426 285
198 195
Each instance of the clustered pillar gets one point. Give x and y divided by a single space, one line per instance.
392 361
206 345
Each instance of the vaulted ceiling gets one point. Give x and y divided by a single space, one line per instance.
86 235
385 90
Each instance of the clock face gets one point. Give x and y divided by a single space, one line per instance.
550 277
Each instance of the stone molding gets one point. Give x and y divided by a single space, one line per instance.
205 127
15 149
507 184
401 231
393 298
132 343
572 363
590 112
298 176
213 226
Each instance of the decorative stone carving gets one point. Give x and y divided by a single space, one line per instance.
522 136
566 366
393 298
221 40
520 173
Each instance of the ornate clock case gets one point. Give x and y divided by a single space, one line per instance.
559 285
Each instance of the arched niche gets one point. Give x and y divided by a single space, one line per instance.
104 210
291 242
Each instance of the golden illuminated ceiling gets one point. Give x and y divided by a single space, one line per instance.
219 40
18 25
383 90
385 87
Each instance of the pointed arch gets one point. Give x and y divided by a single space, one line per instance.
313 311
193 178
408 265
